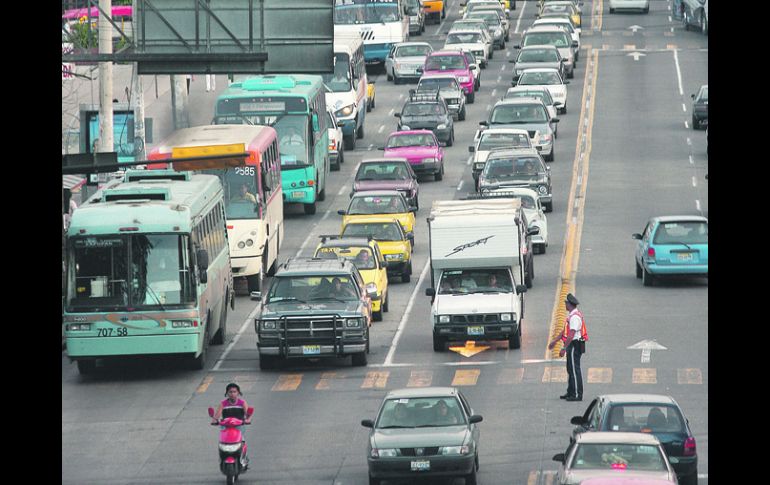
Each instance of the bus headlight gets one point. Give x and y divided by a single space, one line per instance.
79 327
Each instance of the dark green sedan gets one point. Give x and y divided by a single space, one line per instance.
429 431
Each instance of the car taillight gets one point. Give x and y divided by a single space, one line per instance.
651 253
689 446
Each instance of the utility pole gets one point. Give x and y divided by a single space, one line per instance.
179 98
105 80
140 152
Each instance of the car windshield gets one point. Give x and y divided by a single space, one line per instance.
420 412
539 78
444 63
423 109
387 231
346 13
682 232
362 257
312 287
382 171
512 168
490 18
704 94
475 281
538 55
463 38
558 39
469 24
437 83
490 141
377 204
400 141
645 418
413 51
567 25
551 8
618 457
520 113
542 95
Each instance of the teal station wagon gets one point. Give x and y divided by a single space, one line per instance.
672 245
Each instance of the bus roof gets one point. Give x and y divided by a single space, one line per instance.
253 137
160 206
347 42
287 84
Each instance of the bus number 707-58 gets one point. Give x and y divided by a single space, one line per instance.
111 332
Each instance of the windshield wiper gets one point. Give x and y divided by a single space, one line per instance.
678 242
155 296
329 298
279 299
394 426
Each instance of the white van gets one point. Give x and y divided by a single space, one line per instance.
346 87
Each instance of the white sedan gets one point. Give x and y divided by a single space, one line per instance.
468 40
548 78
404 60
566 24
533 210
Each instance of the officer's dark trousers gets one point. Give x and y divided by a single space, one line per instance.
574 374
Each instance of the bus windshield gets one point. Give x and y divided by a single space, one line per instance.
241 196
120 272
339 82
347 12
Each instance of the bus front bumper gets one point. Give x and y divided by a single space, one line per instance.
93 347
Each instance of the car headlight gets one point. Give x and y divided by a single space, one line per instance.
454 450
506 317
444 318
371 287
429 160
478 166
542 189
346 111
227 448
384 452
394 257
352 322
442 126
268 325
545 138
404 128
463 79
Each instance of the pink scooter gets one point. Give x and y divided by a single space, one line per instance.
232 448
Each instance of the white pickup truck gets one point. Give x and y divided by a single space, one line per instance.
476 271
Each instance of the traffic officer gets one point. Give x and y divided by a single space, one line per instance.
573 339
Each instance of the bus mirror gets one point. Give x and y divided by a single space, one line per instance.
203 259
316 127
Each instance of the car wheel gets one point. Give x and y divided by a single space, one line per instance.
310 209
549 208
438 176
638 270
360 131
374 481
471 98
528 277
438 344
461 116
704 25
691 479
549 158
385 304
390 78
350 142
542 248
514 341
647 278
336 167
396 80
470 479
695 124
374 101
377 316
451 140
564 109
492 52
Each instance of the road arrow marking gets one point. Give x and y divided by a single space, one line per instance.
646 346
636 55
470 349
634 28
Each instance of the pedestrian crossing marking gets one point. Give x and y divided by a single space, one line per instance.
645 376
629 47
671 47
375 379
326 378
548 477
689 376
555 374
510 376
599 375
420 378
466 377
288 382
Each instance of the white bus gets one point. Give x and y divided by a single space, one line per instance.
253 195
380 23
346 88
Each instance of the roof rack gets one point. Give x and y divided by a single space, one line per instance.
424 95
334 237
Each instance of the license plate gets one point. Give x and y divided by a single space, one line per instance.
684 256
297 195
475 330
420 466
311 349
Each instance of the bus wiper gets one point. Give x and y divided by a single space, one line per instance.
155 297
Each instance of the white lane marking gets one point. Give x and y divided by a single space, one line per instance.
342 190
499 78
237 337
686 125
678 71
518 21
390 113
502 68
382 128
684 108
310 234
402 323
689 142
460 185
494 91
489 106
694 183
692 162
697 205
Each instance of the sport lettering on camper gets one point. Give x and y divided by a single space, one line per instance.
463 247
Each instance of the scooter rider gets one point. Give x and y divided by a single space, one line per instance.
233 407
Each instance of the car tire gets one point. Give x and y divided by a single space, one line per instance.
417 203
374 481
470 479
695 123
335 167
528 276
439 344
638 269
439 176
359 359
548 208
390 78
86 367
385 307
704 25
691 479
377 316
542 248
350 142
406 276
396 79
647 278
514 341
492 52
451 140
310 209
462 114
549 158
471 98
360 131
612 10
564 109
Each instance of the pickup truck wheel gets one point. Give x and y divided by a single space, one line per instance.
359 360
350 142
374 481
406 276
438 344
514 342
377 316
470 479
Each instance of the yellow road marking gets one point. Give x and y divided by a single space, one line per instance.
555 374
287 382
375 379
469 349
205 384
466 377
326 378
510 376
645 376
599 375
420 378
689 376
597 19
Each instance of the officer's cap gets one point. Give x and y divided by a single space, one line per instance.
571 299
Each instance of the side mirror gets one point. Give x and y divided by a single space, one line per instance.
410 236
513 83
555 120
255 296
558 104
430 292
511 61
413 209
476 418
484 123
397 115
577 420
692 96
565 82
636 236
371 293
521 288
420 70
383 264
517 46
472 149
574 43
203 265
341 212
211 412
473 67
367 423
559 457
316 127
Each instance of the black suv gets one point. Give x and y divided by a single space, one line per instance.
314 307
427 111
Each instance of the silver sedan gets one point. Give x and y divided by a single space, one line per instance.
404 59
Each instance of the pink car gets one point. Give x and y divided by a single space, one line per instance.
453 62
421 148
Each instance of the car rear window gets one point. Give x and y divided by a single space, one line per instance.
558 39
682 233
645 418
620 456
444 63
422 109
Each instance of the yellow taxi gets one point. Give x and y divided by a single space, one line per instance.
365 254
394 242
369 96
434 9
373 204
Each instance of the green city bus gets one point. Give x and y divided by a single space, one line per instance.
148 269
295 106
